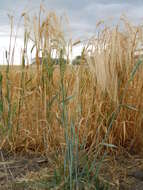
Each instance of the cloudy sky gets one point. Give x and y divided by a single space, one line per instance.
82 14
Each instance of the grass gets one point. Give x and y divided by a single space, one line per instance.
78 114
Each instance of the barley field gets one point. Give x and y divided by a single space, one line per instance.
79 117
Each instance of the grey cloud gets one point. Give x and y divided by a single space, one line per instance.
131 2
83 14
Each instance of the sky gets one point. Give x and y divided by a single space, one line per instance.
82 15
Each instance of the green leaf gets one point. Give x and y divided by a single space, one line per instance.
0 78
1 107
129 107
33 48
52 100
139 62
108 145
67 99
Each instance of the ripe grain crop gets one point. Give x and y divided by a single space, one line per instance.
78 110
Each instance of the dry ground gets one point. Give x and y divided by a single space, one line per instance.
122 172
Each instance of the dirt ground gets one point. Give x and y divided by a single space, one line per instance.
124 172
15 167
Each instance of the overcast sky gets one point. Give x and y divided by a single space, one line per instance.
82 14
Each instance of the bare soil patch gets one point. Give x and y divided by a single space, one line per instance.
14 167
123 172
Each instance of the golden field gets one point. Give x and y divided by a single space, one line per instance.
71 111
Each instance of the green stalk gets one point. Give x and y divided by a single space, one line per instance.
8 93
62 72
1 100
22 81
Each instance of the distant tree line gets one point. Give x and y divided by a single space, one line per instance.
78 60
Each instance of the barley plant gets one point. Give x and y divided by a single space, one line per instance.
74 114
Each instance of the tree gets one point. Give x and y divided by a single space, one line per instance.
79 60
